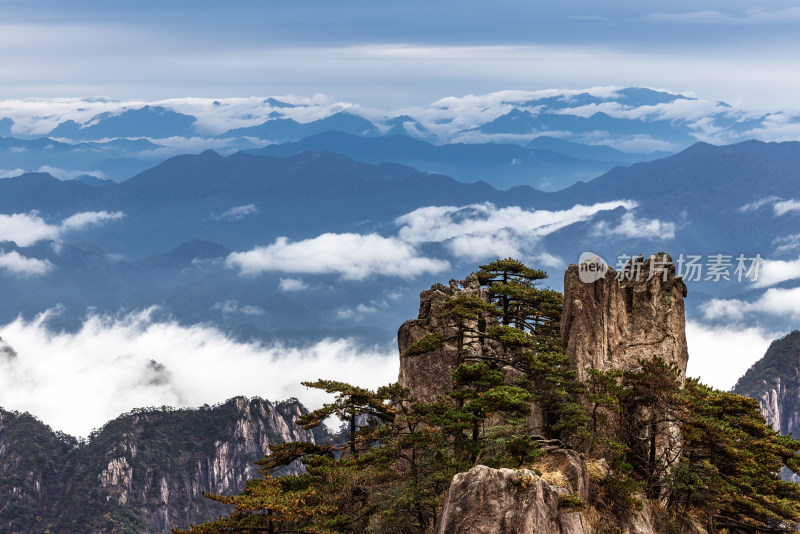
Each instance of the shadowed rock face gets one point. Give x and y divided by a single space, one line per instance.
147 469
616 320
428 375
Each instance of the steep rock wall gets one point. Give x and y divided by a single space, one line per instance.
614 321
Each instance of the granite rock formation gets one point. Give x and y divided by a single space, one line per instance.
428 375
506 501
614 321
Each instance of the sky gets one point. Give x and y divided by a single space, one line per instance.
394 54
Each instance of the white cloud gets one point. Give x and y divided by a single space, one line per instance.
81 221
11 173
630 226
758 204
787 243
16 264
63 174
719 356
785 206
774 301
353 256
356 313
106 368
26 229
468 232
776 271
233 306
440 223
236 213
292 284
779 206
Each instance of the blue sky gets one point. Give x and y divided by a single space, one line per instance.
399 53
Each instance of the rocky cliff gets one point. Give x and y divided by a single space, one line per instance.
143 472
609 322
612 322
427 374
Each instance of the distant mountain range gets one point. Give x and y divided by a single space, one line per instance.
545 139
168 231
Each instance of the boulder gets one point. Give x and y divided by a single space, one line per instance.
570 464
506 501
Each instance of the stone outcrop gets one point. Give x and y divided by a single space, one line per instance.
507 501
614 321
428 375
145 470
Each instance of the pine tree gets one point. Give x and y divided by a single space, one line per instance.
730 465
651 416
276 504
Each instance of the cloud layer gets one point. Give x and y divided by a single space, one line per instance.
76 382
17 265
774 301
25 229
353 256
468 232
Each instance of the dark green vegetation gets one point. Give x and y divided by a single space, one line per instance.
137 474
391 470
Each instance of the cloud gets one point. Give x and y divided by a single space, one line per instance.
442 223
11 173
774 272
233 306
779 206
18 265
81 221
26 229
353 256
468 232
236 213
787 243
114 364
758 204
483 230
719 356
630 226
785 206
63 174
292 284
354 314
774 301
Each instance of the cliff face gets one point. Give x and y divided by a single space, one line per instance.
142 472
614 321
428 375
774 381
